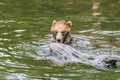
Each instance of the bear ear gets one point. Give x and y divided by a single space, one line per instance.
69 23
54 21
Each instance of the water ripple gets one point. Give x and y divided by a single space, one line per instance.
19 31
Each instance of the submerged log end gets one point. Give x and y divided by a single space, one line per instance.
111 63
106 61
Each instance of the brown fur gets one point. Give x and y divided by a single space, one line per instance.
61 31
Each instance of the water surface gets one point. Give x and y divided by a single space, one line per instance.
25 34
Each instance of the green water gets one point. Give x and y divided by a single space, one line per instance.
25 29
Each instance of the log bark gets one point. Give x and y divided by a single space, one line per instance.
62 54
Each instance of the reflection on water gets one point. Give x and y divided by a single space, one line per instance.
24 37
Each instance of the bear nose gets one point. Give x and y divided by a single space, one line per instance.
58 40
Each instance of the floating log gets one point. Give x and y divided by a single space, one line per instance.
63 54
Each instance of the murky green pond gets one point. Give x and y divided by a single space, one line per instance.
25 32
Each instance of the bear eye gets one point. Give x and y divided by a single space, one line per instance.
63 32
55 32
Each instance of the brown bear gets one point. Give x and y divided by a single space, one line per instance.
61 31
